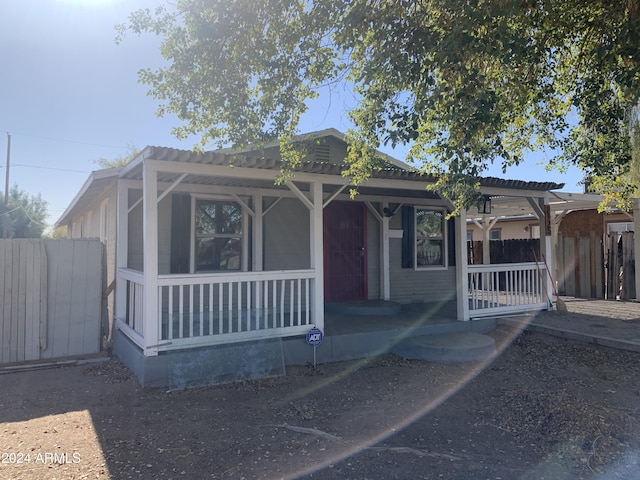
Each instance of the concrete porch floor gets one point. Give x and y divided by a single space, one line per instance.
414 315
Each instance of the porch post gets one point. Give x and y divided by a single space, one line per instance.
122 247
150 241
546 251
636 242
317 254
257 262
462 275
384 274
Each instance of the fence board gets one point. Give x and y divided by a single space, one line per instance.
628 288
569 266
50 298
584 261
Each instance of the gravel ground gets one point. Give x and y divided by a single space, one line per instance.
545 408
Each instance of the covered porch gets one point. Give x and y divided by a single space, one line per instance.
160 310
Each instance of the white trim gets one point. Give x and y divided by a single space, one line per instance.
462 267
150 262
333 196
316 246
292 186
171 187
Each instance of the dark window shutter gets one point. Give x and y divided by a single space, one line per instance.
451 225
408 240
180 232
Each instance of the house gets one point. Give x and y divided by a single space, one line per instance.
219 269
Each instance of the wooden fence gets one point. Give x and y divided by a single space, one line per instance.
50 299
621 279
505 251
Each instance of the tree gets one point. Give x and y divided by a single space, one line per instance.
59 232
24 216
464 83
119 161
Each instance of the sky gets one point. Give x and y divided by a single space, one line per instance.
69 96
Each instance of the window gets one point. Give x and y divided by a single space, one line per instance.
495 234
430 238
469 235
218 235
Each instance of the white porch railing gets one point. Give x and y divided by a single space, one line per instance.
133 321
208 309
507 288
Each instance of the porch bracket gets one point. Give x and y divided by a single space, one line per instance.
333 196
292 186
172 187
135 204
265 211
374 212
539 212
244 204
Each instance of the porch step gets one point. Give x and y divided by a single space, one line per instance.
448 347
363 308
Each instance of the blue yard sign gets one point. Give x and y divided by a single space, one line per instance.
314 337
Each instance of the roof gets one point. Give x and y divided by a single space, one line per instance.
98 181
221 158
93 188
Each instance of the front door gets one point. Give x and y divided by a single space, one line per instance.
345 253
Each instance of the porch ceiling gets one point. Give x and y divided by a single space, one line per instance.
558 201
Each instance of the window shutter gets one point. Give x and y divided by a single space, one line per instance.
451 236
408 236
180 232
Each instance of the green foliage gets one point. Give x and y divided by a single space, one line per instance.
119 161
24 216
463 83
59 232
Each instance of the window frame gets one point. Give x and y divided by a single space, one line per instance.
243 236
444 231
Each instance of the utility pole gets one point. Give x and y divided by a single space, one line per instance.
5 220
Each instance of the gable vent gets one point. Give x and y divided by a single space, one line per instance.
322 153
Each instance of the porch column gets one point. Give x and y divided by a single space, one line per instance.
122 247
462 275
385 282
150 242
546 251
636 242
257 263
317 254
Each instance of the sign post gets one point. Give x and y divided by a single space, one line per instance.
314 337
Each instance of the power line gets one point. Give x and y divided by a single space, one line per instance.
47 168
120 147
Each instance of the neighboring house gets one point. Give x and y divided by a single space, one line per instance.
214 260
583 240
506 228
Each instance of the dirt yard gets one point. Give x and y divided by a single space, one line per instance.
544 409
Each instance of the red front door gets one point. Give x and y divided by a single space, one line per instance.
345 253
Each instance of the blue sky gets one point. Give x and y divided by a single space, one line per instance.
69 95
